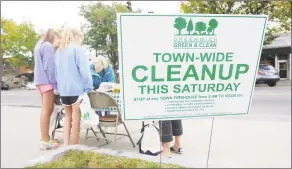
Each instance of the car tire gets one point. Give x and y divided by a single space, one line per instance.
272 84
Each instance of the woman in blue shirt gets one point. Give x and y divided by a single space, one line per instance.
101 71
73 80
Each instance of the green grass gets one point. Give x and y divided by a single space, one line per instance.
81 159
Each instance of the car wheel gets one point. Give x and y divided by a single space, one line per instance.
272 84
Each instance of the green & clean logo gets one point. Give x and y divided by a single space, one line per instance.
200 35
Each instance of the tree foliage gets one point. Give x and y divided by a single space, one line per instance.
213 23
101 29
200 27
180 23
190 26
17 42
279 12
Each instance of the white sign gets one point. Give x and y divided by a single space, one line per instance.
185 66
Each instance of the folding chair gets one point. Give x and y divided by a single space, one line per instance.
100 100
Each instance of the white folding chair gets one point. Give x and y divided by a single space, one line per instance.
100 100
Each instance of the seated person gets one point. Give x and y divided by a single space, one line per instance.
101 71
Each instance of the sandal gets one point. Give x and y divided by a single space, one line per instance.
176 150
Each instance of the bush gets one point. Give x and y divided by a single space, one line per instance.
81 159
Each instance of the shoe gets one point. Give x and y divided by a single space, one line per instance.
48 145
55 140
176 150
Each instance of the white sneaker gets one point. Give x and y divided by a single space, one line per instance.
48 145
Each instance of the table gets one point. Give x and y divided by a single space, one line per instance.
116 96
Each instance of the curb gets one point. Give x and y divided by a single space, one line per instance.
30 106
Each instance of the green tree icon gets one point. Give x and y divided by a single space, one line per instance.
213 23
209 30
200 27
180 23
190 26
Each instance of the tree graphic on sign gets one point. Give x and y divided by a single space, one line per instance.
201 27
213 23
190 26
209 30
180 24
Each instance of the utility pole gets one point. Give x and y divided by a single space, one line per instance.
129 5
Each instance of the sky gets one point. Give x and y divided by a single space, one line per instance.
54 14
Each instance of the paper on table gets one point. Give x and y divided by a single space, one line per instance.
107 86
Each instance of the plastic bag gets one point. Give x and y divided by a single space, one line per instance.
150 141
88 117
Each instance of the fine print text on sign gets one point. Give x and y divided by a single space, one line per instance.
185 66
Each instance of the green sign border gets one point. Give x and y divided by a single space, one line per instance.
190 15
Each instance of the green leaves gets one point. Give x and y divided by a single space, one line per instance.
101 29
18 41
279 12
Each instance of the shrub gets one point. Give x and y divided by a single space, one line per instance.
81 159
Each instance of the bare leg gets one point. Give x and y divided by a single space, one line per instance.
76 123
67 125
47 110
166 149
177 142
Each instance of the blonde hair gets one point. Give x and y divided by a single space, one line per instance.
68 36
50 36
101 61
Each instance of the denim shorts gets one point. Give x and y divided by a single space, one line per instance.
170 128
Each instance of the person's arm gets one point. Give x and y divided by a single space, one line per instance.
49 64
82 63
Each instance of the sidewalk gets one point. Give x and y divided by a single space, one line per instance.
243 141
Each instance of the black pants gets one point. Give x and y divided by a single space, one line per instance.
170 128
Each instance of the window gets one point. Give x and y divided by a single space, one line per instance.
283 66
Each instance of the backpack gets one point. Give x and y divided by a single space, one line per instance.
150 143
